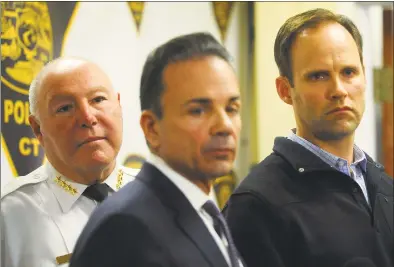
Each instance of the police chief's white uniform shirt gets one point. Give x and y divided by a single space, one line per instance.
43 213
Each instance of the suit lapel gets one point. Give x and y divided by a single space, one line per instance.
186 216
381 198
195 229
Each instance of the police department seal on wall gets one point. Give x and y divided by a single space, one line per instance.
26 46
26 43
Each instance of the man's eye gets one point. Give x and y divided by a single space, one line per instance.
318 76
64 108
349 72
196 111
99 99
233 110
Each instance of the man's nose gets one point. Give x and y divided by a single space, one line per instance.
86 116
338 89
223 124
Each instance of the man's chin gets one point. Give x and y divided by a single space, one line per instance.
334 135
95 160
100 156
219 171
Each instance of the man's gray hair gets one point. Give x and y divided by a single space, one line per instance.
33 92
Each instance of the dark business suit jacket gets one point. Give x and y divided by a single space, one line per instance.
294 210
149 222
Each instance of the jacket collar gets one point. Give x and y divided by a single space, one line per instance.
300 158
184 213
67 192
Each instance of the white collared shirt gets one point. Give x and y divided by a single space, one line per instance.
43 214
196 197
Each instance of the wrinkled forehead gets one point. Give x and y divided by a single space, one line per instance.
74 78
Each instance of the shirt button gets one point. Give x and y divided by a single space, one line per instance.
301 170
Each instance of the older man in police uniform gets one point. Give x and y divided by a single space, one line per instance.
77 117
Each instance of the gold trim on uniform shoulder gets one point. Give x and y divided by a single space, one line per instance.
119 179
66 186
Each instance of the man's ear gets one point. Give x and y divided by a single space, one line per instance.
35 125
150 126
283 88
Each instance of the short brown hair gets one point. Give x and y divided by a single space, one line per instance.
307 20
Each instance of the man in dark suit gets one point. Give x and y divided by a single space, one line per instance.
190 105
318 200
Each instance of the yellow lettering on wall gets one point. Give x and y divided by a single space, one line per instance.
18 110
8 110
36 145
28 145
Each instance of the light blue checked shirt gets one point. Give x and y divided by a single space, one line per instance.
356 168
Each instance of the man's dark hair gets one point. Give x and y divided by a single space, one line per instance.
182 48
300 22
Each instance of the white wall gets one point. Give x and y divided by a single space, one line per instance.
105 33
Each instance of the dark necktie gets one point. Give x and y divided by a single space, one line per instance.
97 192
221 226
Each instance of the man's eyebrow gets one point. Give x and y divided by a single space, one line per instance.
202 100
205 101
59 97
65 95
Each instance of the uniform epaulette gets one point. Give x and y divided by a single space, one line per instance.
34 177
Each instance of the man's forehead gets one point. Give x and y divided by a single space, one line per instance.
65 92
66 66
58 72
331 30
67 84
336 47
